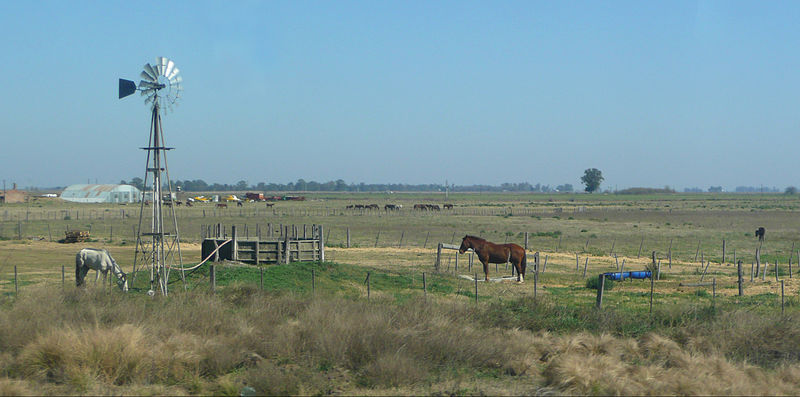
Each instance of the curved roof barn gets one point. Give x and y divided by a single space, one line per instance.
83 193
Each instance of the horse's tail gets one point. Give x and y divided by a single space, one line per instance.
524 263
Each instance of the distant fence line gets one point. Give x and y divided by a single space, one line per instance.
345 237
256 210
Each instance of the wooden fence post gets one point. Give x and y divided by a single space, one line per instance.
652 287
425 244
287 253
213 278
669 254
751 271
476 288
713 291
535 273
640 247
63 278
577 263
348 237
776 270
313 282
235 242
704 271
526 241
377 237
438 257
782 299
367 282
544 266
613 244
585 265
261 269
739 274
697 251
402 234
758 260
424 285
723 251
600 288
16 281
471 259
322 238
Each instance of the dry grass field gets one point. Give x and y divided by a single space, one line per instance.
285 339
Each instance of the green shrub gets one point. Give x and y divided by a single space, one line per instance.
594 283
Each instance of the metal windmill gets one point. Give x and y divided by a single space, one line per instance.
158 249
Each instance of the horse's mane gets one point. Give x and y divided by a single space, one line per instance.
475 238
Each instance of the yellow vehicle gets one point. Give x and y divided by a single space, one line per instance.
202 198
232 197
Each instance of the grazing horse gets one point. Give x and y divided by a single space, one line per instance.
760 233
448 206
101 261
421 207
372 207
489 252
222 205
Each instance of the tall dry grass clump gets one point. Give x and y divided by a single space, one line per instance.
104 342
114 355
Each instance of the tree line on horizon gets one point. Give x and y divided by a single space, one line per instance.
339 185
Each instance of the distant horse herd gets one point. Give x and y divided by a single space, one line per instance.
398 207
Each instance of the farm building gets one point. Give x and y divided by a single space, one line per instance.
83 193
12 196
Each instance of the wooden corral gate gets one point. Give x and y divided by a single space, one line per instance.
262 251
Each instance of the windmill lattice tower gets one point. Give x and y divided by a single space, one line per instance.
157 250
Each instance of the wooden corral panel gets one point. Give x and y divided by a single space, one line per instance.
263 252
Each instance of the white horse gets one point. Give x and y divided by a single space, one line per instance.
101 261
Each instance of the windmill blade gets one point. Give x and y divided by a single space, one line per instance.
162 64
148 84
146 76
168 69
126 87
151 71
173 73
176 80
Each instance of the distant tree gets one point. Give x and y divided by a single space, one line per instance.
791 190
592 178
137 183
715 189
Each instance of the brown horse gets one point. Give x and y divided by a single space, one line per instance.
489 252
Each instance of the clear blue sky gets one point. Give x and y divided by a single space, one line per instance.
679 93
